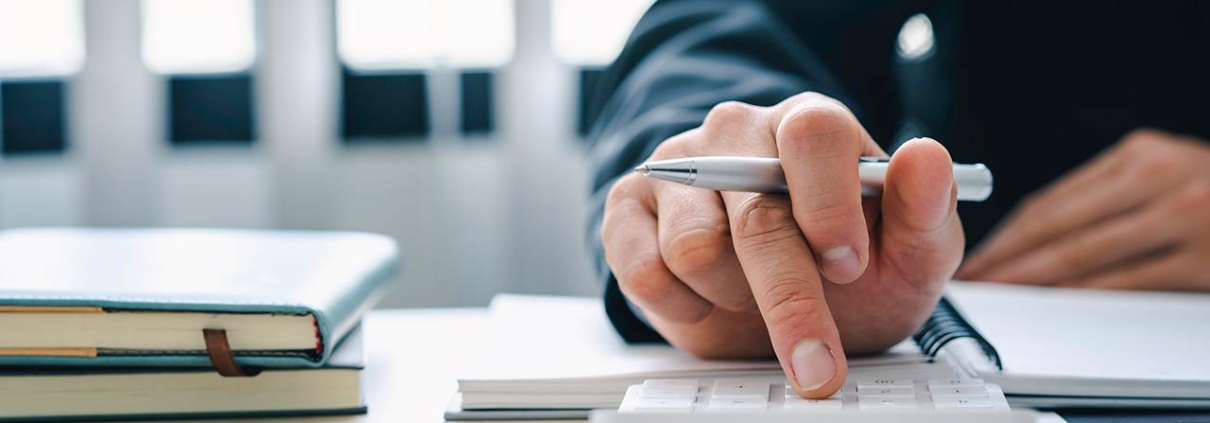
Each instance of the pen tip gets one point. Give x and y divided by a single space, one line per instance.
643 169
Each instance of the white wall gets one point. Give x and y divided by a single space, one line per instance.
473 217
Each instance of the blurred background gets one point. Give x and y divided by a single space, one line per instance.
454 126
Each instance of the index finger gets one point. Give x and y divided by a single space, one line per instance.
819 142
786 285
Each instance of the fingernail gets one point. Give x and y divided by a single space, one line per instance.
813 364
841 263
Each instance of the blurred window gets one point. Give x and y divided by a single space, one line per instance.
593 32
590 34
386 46
416 34
210 109
207 49
384 107
476 99
198 36
41 37
33 116
41 43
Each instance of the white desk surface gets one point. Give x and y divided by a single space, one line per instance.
412 359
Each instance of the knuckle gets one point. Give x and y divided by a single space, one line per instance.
728 113
827 214
812 97
762 219
1194 199
693 251
818 121
785 302
1139 137
643 279
1144 142
1152 165
619 204
677 146
1141 134
607 230
625 189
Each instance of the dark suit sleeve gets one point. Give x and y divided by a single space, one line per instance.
683 58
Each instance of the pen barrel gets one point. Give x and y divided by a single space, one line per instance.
974 181
749 174
760 174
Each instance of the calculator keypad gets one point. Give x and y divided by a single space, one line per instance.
771 394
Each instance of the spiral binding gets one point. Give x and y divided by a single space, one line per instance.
946 325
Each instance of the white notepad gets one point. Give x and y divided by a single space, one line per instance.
1089 343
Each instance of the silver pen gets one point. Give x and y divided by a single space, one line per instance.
764 175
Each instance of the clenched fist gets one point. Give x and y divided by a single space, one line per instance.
808 277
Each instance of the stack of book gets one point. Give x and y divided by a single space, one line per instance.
134 324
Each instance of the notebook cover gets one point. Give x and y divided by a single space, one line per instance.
334 276
348 354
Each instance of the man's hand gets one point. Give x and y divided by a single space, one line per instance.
808 277
1137 217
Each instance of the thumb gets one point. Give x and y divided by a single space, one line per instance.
921 233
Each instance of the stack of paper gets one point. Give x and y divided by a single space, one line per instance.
561 353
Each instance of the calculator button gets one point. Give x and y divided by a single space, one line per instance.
959 392
885 403
952 402
670 383
886 392
954 383
884 383
737 403
664 404
672 392
790 393
797 403
746 388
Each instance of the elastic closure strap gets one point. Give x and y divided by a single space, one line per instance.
221 356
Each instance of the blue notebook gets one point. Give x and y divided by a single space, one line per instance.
112 297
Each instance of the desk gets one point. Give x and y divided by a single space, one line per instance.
412 361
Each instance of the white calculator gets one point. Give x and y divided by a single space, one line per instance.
770 399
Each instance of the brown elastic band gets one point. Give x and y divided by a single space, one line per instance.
221 356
